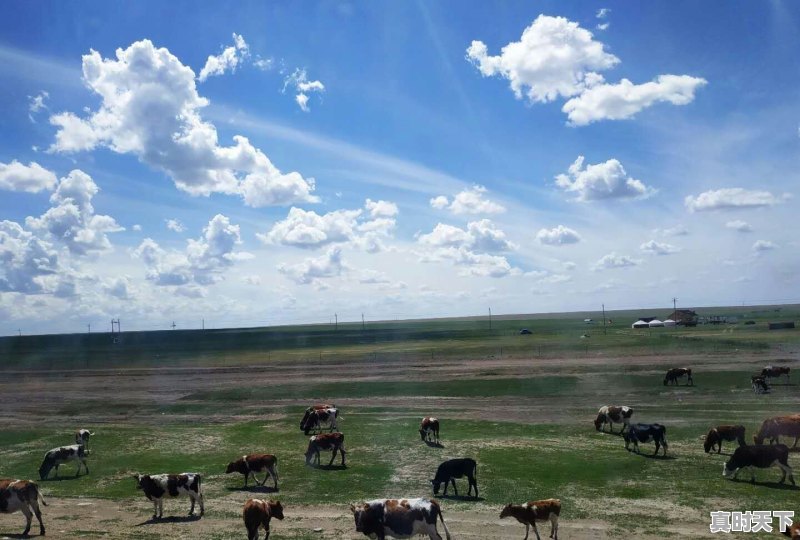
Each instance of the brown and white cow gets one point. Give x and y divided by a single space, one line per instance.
255 463
82 437
317 418
158 486
674 374
429 427
609 414
22 496
314 407
257 513
760 456
399 518
793 531
63 454
771 372
779 426
531 512
718 434
325 441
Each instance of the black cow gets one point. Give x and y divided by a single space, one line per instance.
762 456
642 433
759 384
456 468
674 374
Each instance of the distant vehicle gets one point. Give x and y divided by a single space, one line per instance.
588 321
525 332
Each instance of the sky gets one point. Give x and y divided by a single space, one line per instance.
246 164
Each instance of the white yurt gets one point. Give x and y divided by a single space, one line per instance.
640 324
655 323
670 323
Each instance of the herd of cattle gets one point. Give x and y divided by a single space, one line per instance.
404 518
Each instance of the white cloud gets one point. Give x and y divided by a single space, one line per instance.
31 178
480 235
381 208
150 108
371 277
558 236
624 99
732 198
175 225
118 287
601 181
36 104
252 279
137 227
554 58
658 248
25 258
677 230
612 260
228 60
602 13
299 81
603 26
264 64
72 220
469 201
311 270
739 225
764 245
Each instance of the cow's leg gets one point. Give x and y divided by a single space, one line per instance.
252 532
155 508
34 504
57 465
85 466
28 518
658 446
430 530
191 498
535 529
795 441
333 456
274 473
455 489
202 500
554 526
527 530
474 483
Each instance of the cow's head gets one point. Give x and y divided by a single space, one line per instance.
758 439
358 515
666 379
138 478
422 434
711 439
436 485
275 509
45 467
305 417
728 469
235 466
310 450
506 511
598 422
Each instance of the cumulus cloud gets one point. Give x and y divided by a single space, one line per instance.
469 201
658 248
612 260
228 60
381 209
311 270
31 178
558 236
26 259
298 81
150 108
136 227
175 225
72 219
556 58
601 181
732 199
764 245
202 262
624 99
480 235
739 225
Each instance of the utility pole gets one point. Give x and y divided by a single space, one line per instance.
490 318
88 328
604 320
20 331
363 324
336 324
204 324
173 325
674 305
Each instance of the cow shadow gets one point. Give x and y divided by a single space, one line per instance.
255 489
17 535
465 498
771 485
60 478
659 457
329 467
432 444
170 519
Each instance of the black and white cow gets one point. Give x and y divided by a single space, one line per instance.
22 496
456 468
317 418
643 433
158 486
63 454
759 384
399 518
609 414
761 456
82 437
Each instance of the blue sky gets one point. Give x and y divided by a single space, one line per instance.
276 163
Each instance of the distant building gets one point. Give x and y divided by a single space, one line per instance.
647 319
684 317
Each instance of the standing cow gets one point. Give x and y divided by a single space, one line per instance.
258 513
775 372
22 496
255 463
82 437
63 454
450 470
761 456
674 374
429 427
399 518
531 512
315 419
718 434
609 414
325 441
775 427
645 433
158 486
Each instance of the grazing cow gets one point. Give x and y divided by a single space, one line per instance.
762 456
253 463
759 384
674 374
793 531
531 512
58 456
609 414
723 433
429 427
770 372
645 433
399 518
316 418
325 441
158 486
82 437
258 513
777 426
315 407
452 469
22 496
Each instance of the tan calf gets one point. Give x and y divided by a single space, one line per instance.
531 512
258 513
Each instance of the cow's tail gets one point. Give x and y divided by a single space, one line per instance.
444 525
39 496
